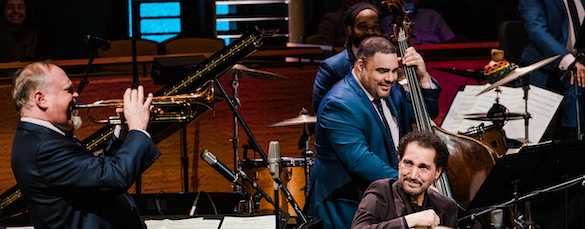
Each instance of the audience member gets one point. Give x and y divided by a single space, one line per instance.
18 37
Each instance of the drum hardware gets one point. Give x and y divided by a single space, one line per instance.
515 74
238 71
254 73
292 177
494 118
492 135
302 119
234 177
251 138
518 72
498 113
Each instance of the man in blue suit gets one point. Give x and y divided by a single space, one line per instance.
360 21
551 31
66 186
358 126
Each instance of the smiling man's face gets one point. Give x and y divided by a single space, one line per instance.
378 73
417 169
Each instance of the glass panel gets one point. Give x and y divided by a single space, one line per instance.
165 25
166 9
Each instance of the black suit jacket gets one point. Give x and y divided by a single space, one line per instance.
384 206
68 187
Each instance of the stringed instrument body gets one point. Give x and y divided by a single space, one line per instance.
470 161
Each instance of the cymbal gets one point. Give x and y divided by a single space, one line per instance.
299 120
516 73
495 117
257 74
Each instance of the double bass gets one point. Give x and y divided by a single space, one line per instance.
470 161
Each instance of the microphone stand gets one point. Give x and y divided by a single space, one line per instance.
254 144
277 185
292 202
244 176
91 53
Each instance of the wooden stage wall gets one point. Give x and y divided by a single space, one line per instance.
264 102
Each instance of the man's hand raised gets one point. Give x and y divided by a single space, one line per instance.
136 109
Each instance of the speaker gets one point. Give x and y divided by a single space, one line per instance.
170 70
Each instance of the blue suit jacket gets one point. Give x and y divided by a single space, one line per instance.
332 70
353 149
67 187
546 24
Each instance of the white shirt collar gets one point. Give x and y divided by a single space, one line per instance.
42 123
370 97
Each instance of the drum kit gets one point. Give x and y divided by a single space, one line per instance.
493 135
293 174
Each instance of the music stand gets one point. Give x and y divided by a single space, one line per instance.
533 167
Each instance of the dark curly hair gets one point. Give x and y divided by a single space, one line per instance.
426 140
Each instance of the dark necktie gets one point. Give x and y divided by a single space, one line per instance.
574 17
389 141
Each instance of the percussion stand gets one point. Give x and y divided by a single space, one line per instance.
235 141
527 116
308 160
251 137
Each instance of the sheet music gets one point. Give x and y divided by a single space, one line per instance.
195 223
256 222
542 105
452 119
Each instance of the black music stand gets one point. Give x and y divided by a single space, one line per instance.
533 167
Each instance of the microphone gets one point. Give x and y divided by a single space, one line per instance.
97 42
219 166
274 159
231 176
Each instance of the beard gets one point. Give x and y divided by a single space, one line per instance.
413 191
357 40
73 120
76 121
